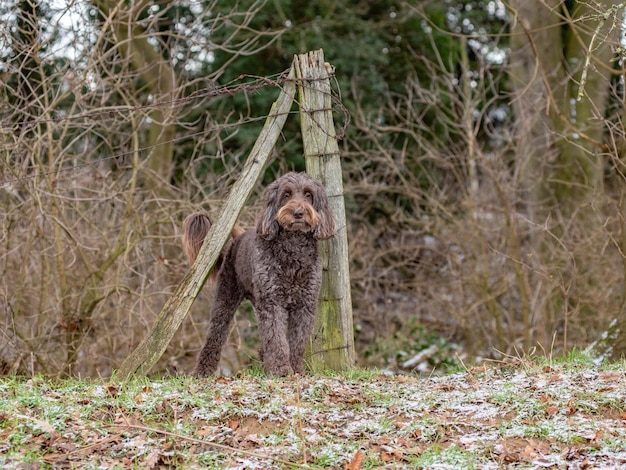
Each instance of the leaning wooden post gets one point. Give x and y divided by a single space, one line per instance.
332 342
142 359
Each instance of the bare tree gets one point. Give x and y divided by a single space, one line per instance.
130 39
105 145
561 70
489 213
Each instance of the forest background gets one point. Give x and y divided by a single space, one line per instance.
483 155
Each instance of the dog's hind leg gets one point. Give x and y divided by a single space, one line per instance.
228 296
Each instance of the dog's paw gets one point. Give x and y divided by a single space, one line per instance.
201 372
279 371
198 375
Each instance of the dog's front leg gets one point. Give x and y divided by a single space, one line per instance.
273 335
301 322
227 299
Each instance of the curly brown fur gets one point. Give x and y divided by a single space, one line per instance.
195 228
277 267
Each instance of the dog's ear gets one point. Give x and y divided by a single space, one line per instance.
327 227
266 226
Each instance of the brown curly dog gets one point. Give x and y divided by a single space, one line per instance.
277 267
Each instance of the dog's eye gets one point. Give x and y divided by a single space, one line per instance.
309 196
286 195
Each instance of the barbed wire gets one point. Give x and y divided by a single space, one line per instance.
211 92
231 89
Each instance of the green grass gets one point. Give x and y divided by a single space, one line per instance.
536 410
451 456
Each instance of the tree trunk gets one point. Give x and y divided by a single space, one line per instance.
560 71
159 77
560 114
533 73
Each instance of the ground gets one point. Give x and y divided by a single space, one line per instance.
530 414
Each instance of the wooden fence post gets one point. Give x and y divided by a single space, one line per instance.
332 342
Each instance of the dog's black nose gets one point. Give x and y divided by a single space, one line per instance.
298 213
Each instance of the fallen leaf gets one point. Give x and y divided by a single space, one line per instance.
612 376
529 451
43 425
152 460
552 410
357 461
391 455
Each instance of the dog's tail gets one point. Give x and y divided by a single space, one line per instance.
195 228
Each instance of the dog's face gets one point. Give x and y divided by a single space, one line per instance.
296 202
